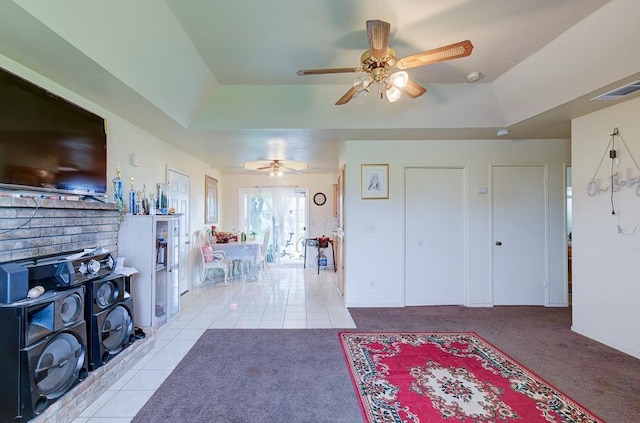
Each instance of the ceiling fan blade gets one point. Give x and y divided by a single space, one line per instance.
328 70
452 51
295 165
346 97
378 34
291 170
413 90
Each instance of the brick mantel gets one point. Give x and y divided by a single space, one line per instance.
34 226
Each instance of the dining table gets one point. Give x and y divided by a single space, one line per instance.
241 253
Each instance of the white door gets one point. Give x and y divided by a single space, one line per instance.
434 236
179 200
519 234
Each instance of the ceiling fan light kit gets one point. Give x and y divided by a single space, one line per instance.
393 94
389 86
362 83
399 79
380 60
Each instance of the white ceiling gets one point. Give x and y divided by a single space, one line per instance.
218 78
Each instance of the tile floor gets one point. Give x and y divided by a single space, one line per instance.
286 297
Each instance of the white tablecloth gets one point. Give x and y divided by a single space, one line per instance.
249 250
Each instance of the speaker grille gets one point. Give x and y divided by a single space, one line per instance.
71 309
58 365
107 294
116 329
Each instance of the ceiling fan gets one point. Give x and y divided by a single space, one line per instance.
275 167
380 59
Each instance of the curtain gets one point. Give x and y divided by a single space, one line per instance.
279 200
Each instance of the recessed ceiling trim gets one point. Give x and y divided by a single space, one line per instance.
619 92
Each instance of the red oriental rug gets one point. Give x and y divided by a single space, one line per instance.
431 377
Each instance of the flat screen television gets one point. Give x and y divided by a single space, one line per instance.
48 143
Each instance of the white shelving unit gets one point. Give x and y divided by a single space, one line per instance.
150 244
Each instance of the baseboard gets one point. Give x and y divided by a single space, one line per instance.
375 305
621 348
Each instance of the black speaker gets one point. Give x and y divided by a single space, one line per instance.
60 272
14 282
43 345
109 314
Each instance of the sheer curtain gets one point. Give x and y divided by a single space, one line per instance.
279 200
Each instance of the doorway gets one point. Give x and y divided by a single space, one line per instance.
285 210
519 234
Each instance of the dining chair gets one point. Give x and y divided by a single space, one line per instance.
211 259
265 246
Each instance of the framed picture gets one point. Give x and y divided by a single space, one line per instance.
375 181
211 200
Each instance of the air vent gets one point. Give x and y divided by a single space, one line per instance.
619 92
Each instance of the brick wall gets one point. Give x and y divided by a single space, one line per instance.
33 226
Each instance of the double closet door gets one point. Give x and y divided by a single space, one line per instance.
434 236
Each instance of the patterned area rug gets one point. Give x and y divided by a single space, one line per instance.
429 377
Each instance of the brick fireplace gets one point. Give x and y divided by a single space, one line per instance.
34 226
31 226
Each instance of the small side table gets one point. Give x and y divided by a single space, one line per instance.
320 244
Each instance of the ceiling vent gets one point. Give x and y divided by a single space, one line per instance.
619 92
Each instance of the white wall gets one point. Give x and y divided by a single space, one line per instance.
606 286
379 256
321 220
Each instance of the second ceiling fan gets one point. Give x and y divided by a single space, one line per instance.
380 59
276 167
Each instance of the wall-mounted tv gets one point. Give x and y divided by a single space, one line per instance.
48 143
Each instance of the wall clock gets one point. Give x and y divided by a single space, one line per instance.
319 198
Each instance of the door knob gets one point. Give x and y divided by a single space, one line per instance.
498 243
420 243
